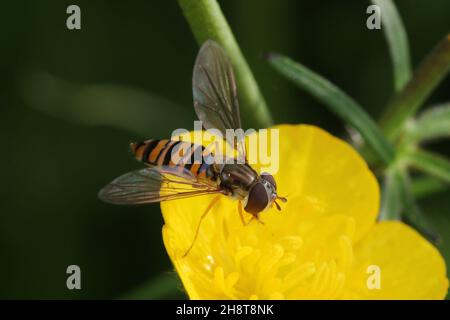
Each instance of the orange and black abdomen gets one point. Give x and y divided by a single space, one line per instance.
159 153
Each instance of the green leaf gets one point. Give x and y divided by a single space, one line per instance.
431 124
425 78
165 286
424 186
208 22
431 163
103 105
392 195
337 101
396 37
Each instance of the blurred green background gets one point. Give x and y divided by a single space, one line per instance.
71 101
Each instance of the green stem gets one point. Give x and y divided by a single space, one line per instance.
392 195
426 77
414 216
208 22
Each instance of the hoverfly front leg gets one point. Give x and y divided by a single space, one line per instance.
256 216
241 214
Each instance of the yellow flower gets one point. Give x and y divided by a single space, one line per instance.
322 245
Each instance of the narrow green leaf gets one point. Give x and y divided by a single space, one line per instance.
134 110
432 124
392 195
424 186
431 163
164 286
337 101
208 22
397 40
425 78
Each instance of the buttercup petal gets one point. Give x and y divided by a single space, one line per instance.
329 174
408 266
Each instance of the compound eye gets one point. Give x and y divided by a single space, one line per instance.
257 199
269 178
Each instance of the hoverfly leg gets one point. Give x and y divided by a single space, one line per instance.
241 215
208 209
256 216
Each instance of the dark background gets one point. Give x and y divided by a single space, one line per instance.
53 164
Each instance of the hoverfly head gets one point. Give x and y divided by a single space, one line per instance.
262 195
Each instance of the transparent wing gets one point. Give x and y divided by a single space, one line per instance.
215 95
155 184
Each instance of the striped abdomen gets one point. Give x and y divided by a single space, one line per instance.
166 152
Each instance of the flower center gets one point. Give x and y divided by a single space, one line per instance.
286 258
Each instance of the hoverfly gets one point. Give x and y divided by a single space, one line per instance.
216 105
